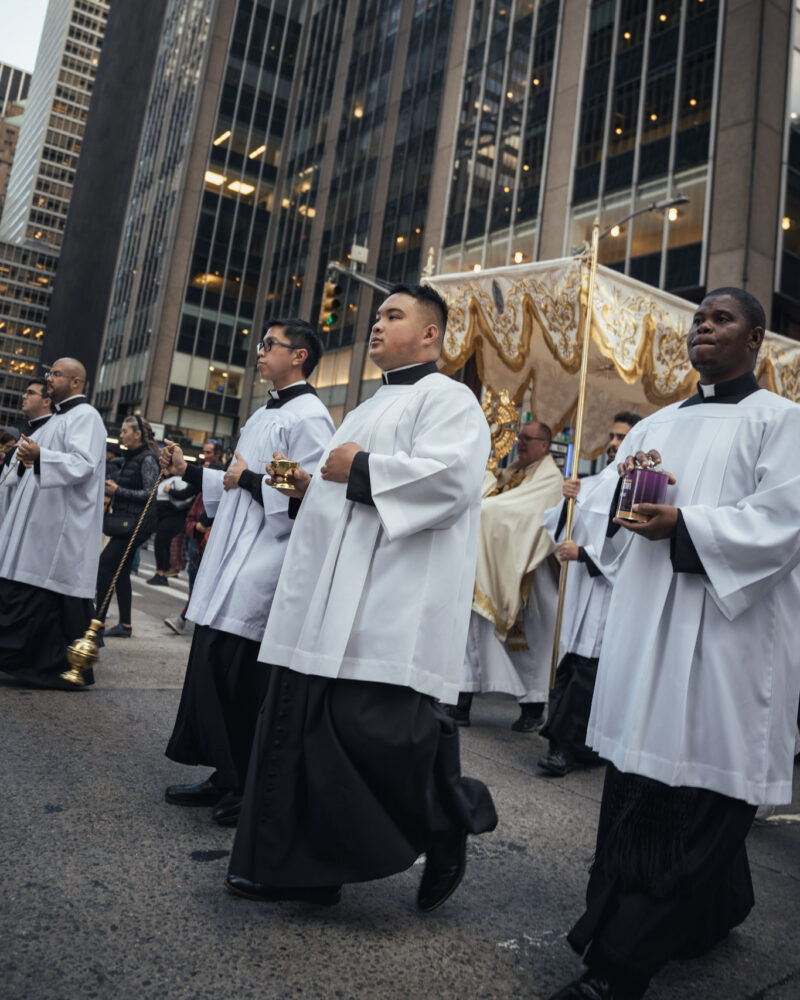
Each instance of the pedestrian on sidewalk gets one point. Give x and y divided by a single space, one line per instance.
128 493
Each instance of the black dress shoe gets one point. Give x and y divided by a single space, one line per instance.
322 895
531 718
557 763
227 812
119 631
445 864
201 793
588 987
458 715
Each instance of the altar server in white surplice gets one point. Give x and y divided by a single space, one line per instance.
586 600
37 408
697 687
235 585
355 769
50 535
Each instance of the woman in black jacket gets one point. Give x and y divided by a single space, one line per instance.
129 492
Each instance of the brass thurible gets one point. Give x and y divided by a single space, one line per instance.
82 653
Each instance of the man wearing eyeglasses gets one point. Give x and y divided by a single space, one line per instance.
236 579
36 407
514 602
50 535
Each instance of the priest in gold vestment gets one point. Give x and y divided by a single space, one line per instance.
516 584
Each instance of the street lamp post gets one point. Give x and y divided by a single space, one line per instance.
653 206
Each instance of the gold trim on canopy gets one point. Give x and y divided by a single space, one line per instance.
522 324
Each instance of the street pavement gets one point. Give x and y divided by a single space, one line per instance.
108 892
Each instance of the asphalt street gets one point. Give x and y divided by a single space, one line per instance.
108 892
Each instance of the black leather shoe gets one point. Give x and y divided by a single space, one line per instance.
227 812
557 763
531 718
445 864
201 793
588 987
119 631
322 895
458 715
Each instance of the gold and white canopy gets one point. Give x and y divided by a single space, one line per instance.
523 323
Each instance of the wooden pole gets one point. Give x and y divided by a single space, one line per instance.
587 337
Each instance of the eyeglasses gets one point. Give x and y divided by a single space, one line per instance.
526 437
268 343
32 392
57 374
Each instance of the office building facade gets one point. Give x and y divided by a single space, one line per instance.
492 132
40 184
14 86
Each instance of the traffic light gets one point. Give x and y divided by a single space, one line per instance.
330 311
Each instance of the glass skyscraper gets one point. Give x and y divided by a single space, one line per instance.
40 185
491 132
182 314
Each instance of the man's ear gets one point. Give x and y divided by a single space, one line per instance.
431 334
299 358
756 338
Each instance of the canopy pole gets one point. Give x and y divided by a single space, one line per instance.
587 336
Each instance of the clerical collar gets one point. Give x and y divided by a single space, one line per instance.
39 421
409 374
280 396
69 403
732 391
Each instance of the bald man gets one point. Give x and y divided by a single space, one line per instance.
50 535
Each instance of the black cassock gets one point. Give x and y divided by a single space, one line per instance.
36 626
222 693
350 781
669 881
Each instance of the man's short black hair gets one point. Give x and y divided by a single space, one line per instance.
749 304
300 334
626 417
217 445
38 381
428 296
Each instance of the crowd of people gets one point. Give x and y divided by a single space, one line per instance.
343 628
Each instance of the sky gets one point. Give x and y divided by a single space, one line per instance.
22 22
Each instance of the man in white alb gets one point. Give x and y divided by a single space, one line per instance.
698 680
355 769
50 535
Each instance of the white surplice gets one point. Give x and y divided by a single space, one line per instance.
586 598
699 674
50 535
9 478
383 593
239 570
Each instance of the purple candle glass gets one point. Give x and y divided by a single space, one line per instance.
641 486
